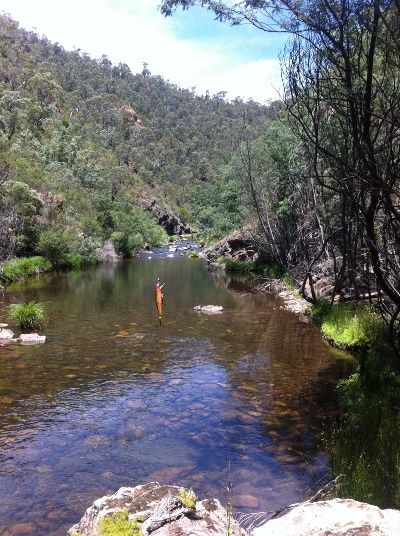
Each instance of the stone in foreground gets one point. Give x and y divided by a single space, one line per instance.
161 513
32 338
209 309
336 517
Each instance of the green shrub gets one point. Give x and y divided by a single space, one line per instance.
126 244
289 282
24 267
353 326
29 315
234 265
73 260
318 311
364 444
119 524
271 271
89 249
55 245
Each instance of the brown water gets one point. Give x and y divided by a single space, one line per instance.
114 400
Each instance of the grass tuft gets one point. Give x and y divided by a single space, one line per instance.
188 497
29 315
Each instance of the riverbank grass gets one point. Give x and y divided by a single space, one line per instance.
16 269
349 326
31 315
237 266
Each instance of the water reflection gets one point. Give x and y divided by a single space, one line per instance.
112 399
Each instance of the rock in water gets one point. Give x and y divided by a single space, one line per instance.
32 338
108 253
337 517
209 309
161 511
6 335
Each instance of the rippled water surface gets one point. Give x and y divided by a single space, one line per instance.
112 399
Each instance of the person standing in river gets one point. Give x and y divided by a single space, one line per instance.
159 297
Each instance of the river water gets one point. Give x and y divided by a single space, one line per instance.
113 399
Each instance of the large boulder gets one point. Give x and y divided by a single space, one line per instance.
336 517
239 245
108 253
161 512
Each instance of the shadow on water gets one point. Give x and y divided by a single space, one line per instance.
112 399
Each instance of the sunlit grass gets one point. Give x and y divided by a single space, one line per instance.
349 325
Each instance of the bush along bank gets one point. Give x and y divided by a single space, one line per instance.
364 442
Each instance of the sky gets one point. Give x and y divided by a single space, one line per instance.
190 49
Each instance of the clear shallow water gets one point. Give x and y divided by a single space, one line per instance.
112 399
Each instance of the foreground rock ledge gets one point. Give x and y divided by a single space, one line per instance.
164 514
336 517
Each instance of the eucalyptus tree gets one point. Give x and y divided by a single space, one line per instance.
342 90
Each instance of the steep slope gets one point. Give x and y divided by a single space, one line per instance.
105 142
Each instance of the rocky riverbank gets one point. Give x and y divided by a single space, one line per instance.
172 511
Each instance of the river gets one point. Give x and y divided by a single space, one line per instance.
113 399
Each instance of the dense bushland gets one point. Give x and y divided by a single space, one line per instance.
85 145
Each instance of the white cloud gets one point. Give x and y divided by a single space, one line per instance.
133 31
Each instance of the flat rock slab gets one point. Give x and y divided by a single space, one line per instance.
162 512
32 338
209 309
337 517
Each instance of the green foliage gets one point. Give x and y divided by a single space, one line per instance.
234 265
73 260
271 271
55 244
185 212
353 326
188 497
319 311
289 282
67 126
29 315
119 524
365 444
125 244
24 267
89 249
19 207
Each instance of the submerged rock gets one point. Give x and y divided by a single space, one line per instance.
209 309
336 517
161 512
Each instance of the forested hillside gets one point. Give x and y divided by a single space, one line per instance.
325 180
86 145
